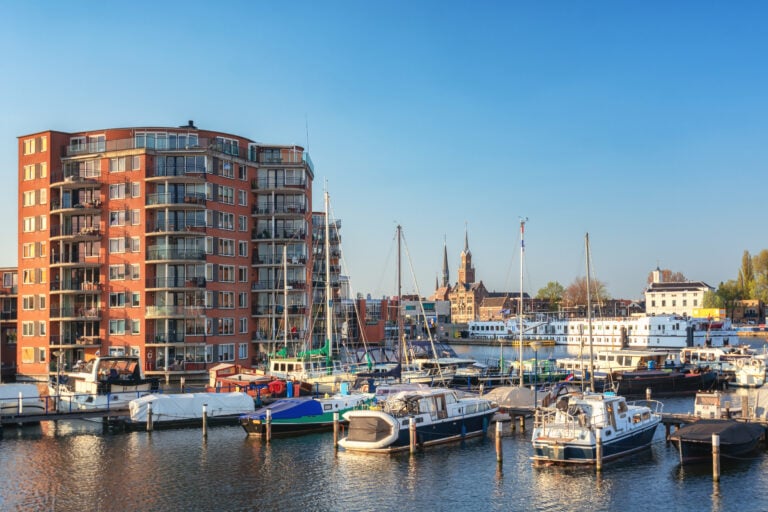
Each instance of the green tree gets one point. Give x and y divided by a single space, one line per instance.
553 293
729 292
760 269
712 300
746 280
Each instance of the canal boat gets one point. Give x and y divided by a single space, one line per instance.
570 430
669 382
302 415
737 439
439 415
186 409
107 382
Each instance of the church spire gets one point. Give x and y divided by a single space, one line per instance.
446 278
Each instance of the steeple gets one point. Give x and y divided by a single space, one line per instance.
466 270
446 278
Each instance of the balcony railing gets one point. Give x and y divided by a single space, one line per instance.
57 259
75 286
159 311
278 260
94 231
169 198
187 170
285 209
166 253
165 338
76 312
291 234
176 282
173 227
270 183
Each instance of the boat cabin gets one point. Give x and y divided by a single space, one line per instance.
609 361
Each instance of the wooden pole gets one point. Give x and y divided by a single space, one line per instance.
205 420
335 429
599 448
499 452
21 403
150 426
182 382
268 421
716 457
647 393
412 434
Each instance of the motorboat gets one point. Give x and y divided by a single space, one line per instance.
737 439
568 431
186 409
439 416
18 399
102 383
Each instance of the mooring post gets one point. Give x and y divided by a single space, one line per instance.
181 383
412 434
335 429
648 393
499 452
21 403
205 420
599 448
150 426
522 422
716 457
268 421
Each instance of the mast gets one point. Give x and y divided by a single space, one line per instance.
589 321
520 302
328 292
285 297
400 335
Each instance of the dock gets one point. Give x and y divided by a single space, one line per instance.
30 419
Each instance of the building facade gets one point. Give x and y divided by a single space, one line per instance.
174 244
674 298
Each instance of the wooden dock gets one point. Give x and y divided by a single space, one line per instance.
28 419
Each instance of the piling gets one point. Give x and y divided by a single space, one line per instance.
336 430
181 383
521 418
205 420
412 434
21 403
599 449
150 426
268 422
716 457
647 393
499 452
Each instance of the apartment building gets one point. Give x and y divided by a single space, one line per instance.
164 242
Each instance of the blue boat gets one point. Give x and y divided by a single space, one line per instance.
440 416
567 432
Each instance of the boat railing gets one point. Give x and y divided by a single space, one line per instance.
558 423
655 406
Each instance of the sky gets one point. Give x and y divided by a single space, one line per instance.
641 123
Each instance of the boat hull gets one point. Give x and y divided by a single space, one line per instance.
737 440
662 383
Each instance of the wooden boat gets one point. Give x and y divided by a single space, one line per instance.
302 415
568 431
439 414
737 439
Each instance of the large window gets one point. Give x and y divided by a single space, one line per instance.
227 352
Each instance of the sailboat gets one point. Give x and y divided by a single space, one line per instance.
587 427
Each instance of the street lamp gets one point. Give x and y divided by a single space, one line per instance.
535 346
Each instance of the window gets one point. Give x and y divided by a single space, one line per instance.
135 189
41 355
117 300
135 299
29 172
27 276
227 169
135 217
28 250
242 198
242 172
695 303
29 146
28 302
28 198
226 247
117 191
76 144
117 164
242 350
226 221
117 326
227 273
41 301
117 218
27 328
226 195
227 300
43 196
242 223
135 244
209 245
242 300
41 328
29 224
135 326
227 352
242 248
117 272
242 274
135 271
116 245
227 326
135 163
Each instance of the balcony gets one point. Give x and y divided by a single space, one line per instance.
166 253
174 311
76 312
278 260
76 286
191 172
165 338
176 282
80 233
75 259
279 234
168 199
278 184
92 206
157 227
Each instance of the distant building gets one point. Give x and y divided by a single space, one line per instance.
674 298
749 312
467 295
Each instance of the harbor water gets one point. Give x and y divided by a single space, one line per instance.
80 466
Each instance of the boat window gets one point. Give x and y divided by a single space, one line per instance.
622 406
646 415
290 367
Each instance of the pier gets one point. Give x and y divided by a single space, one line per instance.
29 419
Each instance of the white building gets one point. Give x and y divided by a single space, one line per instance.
674 298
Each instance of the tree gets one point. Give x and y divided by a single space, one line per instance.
746 280
760 269
576 293
553 293
667 276
728 293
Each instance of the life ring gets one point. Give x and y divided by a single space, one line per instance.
276 387
364 388
755 363
739 363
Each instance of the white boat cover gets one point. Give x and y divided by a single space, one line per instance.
10 392
511 396
187 406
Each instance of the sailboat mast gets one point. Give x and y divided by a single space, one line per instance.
285 296
589 320
328 292
520 301
400 335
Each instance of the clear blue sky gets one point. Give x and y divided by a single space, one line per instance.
642 123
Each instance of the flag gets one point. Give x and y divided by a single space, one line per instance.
569 378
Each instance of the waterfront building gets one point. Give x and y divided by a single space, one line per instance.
163 242
466 295
674 298
8 327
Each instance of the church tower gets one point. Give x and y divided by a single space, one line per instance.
466 270
446 278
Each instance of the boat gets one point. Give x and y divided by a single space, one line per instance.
17 399
186 409
568 431
669 382
738 439
302 415
749 373
607 362
589 427
439 414
105 382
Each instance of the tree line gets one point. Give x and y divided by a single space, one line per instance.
751 283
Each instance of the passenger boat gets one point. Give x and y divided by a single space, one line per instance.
439 415
302 415
101 383
737 439
186 409
568 432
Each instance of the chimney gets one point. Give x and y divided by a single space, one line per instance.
191 125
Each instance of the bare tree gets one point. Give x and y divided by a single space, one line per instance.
667 276
576 293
